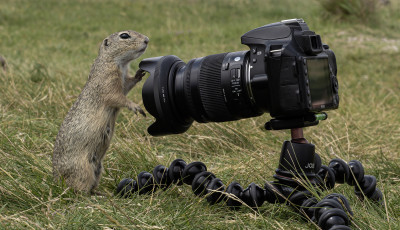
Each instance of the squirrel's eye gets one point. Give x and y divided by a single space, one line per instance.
124 36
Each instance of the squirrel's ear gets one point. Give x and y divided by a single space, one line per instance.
105 42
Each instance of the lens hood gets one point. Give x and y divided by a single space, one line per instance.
158 96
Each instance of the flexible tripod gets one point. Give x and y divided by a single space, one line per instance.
299 172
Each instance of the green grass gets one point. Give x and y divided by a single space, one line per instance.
50 46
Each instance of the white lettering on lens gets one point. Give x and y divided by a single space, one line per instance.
163 94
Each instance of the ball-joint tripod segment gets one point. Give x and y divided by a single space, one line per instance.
299 170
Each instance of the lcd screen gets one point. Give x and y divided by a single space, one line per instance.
320 83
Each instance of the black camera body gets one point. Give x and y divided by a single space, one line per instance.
298 71
288 72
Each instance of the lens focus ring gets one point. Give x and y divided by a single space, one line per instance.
210 88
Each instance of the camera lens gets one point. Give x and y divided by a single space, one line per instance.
286 73
214 88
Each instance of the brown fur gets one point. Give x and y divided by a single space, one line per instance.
86 132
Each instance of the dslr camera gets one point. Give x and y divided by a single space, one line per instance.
287 72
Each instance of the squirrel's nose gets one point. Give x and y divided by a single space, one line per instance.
146 40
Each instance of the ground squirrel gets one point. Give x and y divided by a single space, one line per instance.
86 132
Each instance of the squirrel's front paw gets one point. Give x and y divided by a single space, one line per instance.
136 108
139 74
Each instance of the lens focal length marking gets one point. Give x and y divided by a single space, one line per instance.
236 85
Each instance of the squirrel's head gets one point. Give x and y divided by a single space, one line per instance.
123 47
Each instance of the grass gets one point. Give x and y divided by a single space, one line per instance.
50 46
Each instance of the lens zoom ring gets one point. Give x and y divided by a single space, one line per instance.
211 89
